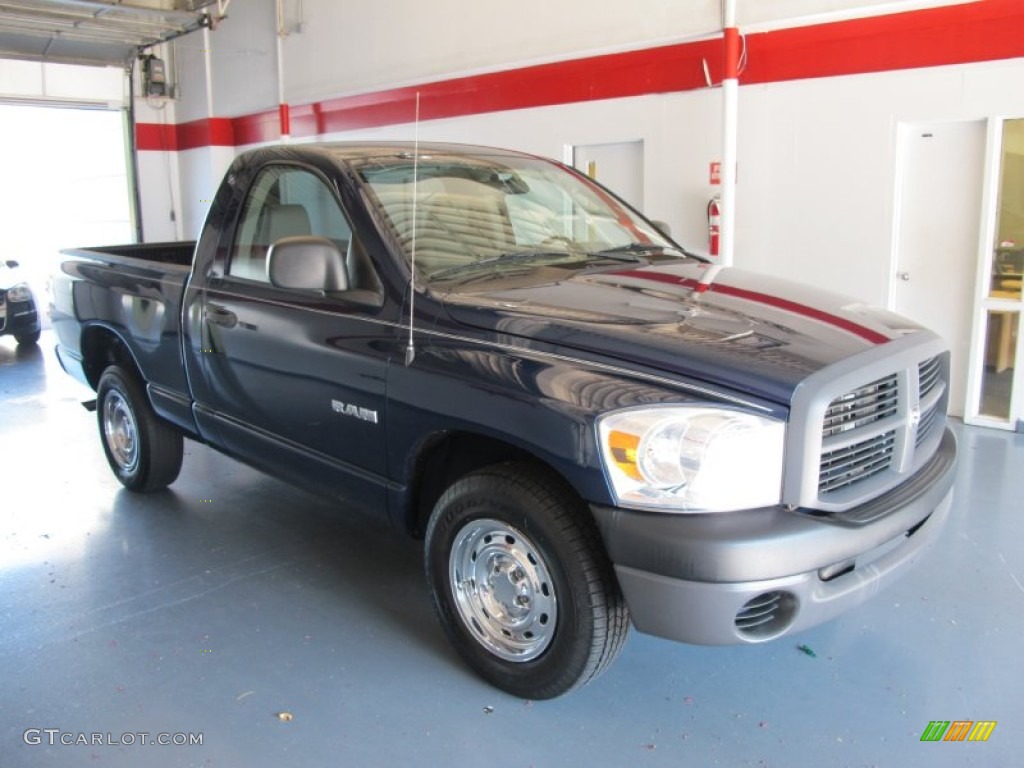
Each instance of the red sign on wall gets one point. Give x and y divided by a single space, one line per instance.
715 172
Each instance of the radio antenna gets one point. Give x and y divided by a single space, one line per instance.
410 349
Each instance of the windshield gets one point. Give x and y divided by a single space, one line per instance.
494 213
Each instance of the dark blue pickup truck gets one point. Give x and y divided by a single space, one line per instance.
588 426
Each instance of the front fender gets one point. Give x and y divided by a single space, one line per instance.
538 404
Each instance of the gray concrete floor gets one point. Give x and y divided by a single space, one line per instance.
213 607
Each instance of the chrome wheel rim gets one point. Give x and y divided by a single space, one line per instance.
120 431
503 590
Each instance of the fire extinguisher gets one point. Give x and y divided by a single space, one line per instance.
714 224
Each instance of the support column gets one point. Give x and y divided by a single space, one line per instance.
730 100
283 110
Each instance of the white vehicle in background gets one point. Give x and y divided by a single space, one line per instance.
19 316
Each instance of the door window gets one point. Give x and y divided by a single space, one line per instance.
289 202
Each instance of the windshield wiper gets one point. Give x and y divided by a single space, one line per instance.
518 257
631 249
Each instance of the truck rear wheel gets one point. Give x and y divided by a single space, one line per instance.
144 452
521 582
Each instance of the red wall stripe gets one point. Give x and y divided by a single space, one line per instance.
214 132
987 30
263 126
981 31
156 136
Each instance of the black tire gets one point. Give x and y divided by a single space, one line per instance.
32 337
551 616
144 452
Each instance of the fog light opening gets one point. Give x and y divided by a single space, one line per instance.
766 616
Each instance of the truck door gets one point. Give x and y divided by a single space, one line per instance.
295 379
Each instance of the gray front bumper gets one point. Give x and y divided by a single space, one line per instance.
695 577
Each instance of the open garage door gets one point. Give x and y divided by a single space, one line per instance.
65 184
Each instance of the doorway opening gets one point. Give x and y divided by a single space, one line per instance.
67 184
994 389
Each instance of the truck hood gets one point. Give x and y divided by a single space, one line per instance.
722 326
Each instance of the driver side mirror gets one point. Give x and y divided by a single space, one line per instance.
663 227
11 263
307 263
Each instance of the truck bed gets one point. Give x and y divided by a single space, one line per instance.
173 253
135 292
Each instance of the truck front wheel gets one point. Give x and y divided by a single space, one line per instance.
144 452
521 582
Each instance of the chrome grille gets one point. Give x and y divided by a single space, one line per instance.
852 461
928 374
861 407
864 426
856 462
924 427
929 378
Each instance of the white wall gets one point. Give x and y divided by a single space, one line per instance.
359 45
363 45
201 172
158 174
243 58
160 209
177 190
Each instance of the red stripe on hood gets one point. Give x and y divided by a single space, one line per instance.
761 298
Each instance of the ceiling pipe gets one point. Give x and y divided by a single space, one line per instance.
283 110
132 154
208 66
730 118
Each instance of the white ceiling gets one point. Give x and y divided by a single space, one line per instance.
98 32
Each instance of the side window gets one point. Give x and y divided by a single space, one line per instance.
287 202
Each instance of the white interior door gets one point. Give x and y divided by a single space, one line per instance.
620 167
938 215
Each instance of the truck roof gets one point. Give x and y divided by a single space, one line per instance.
346 150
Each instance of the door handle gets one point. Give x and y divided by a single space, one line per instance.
220 316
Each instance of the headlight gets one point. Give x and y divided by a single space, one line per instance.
692 458
20 292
